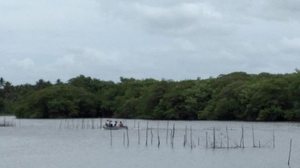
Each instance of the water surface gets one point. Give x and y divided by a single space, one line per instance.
81 143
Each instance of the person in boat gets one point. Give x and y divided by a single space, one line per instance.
116 122
110 123
107 123
121 124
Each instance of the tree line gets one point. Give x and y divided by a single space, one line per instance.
234 96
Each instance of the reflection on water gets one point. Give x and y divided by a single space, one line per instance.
77 143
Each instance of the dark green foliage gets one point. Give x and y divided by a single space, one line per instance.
234 96
58 101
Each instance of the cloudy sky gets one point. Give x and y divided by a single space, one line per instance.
170 39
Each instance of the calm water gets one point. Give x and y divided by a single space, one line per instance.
82 144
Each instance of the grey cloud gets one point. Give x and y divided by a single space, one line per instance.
171 39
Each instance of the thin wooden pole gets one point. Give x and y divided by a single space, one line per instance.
139 137
242 142
147 134
185 136
100 120
206 140
93 126
214 138
151 136
73 125
158 138
60 124
173 135
123 138
191 137
227 137
133 123
290 151
167 132
82 124
110 132
221 143
273 138
127 137
253 137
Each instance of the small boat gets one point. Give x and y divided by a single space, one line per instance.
114 127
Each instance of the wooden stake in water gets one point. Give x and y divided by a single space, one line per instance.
290 151
253 138
158 138
147 134
100 123
93 126
110 132
206 140
242 142
127 137
73 125
60 124
82 124
139 137
214 138
133 123
273 138
191 137
173 135
185 136
227 137
123 138
167 133
151 136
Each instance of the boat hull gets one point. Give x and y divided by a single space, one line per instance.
115 128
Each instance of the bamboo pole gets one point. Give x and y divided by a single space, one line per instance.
110 132
290 151
206 140
123 138
253 137
93 126
139 138
273 138
173 135
60 124
167 132
101 123
77 125
185 136
127 137
73 125
82 124
158 137
242 142
221 143
227 137
191 137
151 132
133 123
147 135
214 138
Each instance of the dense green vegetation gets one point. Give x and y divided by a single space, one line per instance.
234 96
